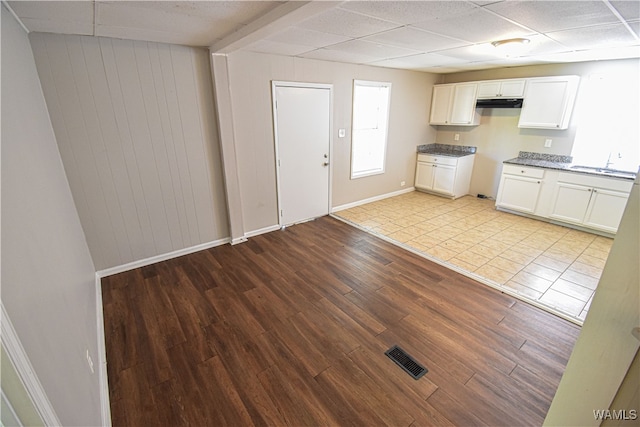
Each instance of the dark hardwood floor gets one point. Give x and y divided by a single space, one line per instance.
290 328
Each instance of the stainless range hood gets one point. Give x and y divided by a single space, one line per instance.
499 103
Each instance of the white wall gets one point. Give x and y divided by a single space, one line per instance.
498 137
48 278
250 77
135 125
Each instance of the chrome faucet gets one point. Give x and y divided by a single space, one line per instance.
609 162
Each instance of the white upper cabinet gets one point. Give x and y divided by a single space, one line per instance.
454 104
548 102
511 88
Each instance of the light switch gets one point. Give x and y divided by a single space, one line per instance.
547 142
342 133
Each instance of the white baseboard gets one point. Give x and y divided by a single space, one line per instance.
22 364
159 258
371 199
262 231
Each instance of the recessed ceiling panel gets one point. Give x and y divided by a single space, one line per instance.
477 26
409 12
416 39
345 23
545 16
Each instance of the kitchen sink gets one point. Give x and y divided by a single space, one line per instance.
607 171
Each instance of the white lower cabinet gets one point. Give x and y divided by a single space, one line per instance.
444 175
519 188
588 201
596 203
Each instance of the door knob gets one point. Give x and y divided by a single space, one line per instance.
325 164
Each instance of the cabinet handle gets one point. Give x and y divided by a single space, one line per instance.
595 191
589 190
521 171
538 182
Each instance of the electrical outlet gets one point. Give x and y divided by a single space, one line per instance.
342 133
547 142
402 183
90 362
456 137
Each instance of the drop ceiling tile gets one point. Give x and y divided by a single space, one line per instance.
474 53
346 23
635 26
277 48
602 54
476 26
58 27
338 56
409 12
594 37
195 23
304 37
68 17
629 10
140 22
374 50
413 38
415 62
545 16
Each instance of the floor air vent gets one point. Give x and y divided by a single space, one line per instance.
406 362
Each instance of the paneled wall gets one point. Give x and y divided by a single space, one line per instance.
135 125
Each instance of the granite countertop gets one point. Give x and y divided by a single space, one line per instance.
446 150
564 163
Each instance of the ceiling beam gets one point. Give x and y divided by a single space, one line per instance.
285 15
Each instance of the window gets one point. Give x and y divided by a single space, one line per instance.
369 127
608 132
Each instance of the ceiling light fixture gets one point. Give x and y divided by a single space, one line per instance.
499 43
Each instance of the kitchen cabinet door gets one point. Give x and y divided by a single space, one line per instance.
463 108
424 175
512 88
519 193
501 89
605 209
454 104
548 102
444 178
570 202
440 104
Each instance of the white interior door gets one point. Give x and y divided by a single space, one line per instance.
302 119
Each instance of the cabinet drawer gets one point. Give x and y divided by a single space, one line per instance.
523 171
441 160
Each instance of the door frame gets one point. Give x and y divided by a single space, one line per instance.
274 85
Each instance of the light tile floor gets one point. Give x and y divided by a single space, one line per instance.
556 266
